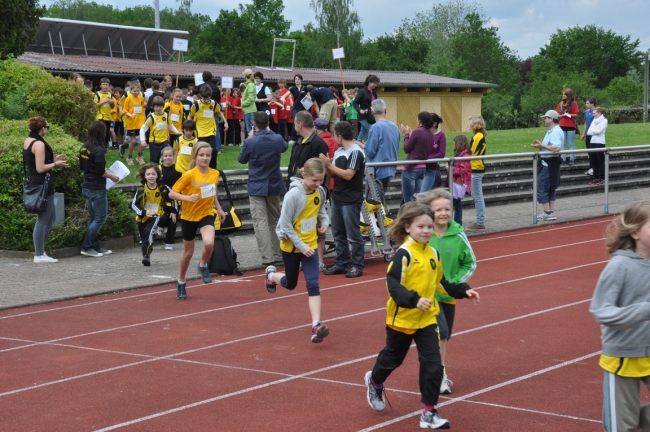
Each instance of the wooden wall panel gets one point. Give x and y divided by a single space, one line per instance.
452 114
408 109
471 106
391 107
430 104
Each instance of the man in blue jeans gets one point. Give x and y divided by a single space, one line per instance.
347 198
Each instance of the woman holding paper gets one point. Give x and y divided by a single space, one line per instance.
92 161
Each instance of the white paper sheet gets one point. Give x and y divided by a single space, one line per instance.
120 170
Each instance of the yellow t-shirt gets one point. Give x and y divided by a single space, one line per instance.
184 149
104 112
121 103
305 224
635 367
203 115
205 185
176 114
158 127
134 105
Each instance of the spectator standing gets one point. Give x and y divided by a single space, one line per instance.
477 125
597 133
590 103
548 167
382 144
308 145
347 198
263 152
417 145
568 111
248 105
40 161
92 161
262 94
362 103
298 93
432 178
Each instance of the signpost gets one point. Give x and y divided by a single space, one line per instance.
179 45
338 54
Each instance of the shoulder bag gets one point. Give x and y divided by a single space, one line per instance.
233 221
35 196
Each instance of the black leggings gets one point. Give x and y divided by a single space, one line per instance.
597 162
148 228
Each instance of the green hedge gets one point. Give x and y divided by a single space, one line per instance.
17 226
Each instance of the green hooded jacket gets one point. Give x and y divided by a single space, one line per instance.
248 98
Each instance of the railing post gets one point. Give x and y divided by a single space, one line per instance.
450 184
535 159
606 181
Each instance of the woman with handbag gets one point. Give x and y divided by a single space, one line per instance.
39 158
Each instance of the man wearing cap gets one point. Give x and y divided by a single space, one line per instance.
248 106
548 167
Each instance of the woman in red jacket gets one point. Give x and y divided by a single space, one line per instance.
568 111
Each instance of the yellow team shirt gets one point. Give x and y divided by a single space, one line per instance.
183 148
121 103
305 224
158 127
203 115
134 105
205 185
176 114
636 367
152 200
104 112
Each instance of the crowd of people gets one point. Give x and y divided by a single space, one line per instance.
332 138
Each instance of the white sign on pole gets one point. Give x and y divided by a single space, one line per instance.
180 45
198 79
226 82
338 53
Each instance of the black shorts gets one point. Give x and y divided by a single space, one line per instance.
189 229
133 133
119 128
446 320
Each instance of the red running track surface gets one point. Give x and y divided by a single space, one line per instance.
234 357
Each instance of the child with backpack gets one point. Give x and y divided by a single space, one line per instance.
302 218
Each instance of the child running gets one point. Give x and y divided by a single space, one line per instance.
169 177
458 264
621 305
198 189
153 208
414 276
302 217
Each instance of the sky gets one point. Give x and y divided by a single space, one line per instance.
524 26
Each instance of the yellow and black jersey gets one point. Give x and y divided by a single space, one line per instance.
184 149
478 149
305 224
176 114
156 199
158 126
104 112
203 115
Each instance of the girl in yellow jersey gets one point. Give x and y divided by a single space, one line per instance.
414 276
198 189
183 148
621 305
174 108
301 218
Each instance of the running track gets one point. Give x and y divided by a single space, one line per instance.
233 357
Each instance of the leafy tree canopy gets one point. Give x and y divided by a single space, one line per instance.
18 26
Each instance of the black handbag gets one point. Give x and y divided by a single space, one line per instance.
35 196
233 221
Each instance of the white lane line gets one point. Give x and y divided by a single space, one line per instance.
482 391
541 250
189 315
533 411
479 240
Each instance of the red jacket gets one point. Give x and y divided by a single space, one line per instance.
332 146
463 171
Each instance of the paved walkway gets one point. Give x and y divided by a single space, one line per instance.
26 283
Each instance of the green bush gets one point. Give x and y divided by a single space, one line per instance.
18 225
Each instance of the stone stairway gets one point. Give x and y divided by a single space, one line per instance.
505 182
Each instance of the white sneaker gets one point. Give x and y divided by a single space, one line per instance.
543 216
590 171
374 395
445 385
321 267
159 231
169 247
432 420
44 259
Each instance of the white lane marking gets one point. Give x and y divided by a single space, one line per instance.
533 411
485 390
479 240
540 250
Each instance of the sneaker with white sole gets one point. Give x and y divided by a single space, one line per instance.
205 273
319 332
590 171
270 285
181 292
91 253
445 385
432 420
44 259
321 267
104 251
374 395
543 216
169 247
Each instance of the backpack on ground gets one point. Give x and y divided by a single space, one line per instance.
224 257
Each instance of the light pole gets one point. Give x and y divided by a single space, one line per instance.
645 89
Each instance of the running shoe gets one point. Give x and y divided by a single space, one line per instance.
594 182
121 152
445 385
146 261
270 285
181 293
432 420
104 251
140 160
205 273
543 216
321 267
129 161
601 182
590 171
44 259
91 253
374 395
319 332
169 247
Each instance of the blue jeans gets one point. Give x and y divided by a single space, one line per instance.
365 129
97 202
219 142
570 139
458 211
477 194
412 183
248 123
345 227
432 179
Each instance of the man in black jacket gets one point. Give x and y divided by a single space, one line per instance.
308 145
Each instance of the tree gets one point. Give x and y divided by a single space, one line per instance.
20 20
624 92
397 52
602 54
337 25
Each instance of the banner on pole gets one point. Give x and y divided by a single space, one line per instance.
338 53
180 44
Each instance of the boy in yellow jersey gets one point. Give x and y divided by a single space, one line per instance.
176 113
183 148
133 109
202 112
105 103
161 125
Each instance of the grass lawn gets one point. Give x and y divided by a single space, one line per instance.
504 141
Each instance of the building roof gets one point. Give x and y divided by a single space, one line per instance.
69 37
116 66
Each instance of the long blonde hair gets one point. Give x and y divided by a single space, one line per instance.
198 146
477 124
619 232
406 215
